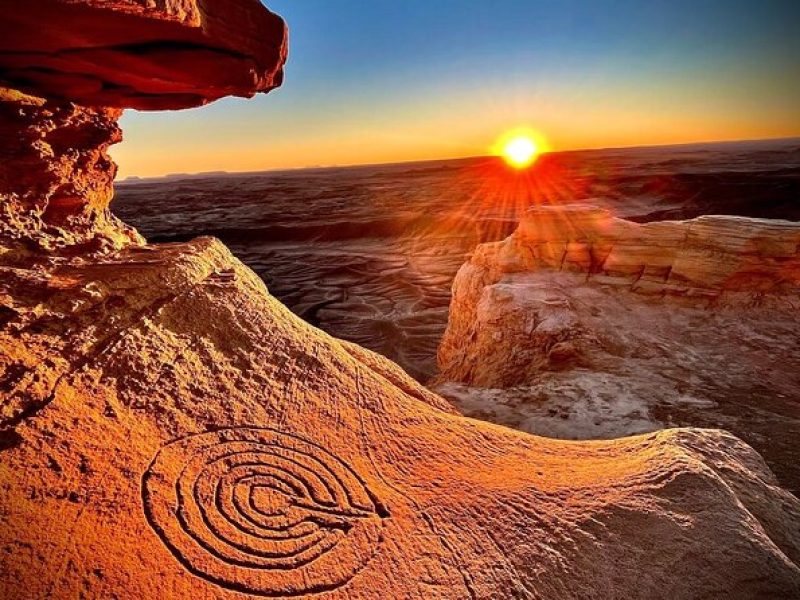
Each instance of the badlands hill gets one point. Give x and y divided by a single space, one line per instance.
170 430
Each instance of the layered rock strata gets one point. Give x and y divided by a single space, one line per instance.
583 326
509 319
77 63
149 55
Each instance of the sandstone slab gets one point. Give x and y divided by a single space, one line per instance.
189 436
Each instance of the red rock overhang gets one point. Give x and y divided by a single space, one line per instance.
148 55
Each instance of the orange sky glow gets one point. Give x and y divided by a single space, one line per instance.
432 88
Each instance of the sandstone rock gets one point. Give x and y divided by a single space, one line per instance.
55 174
172 429
150 55
167 428
714 254
56 177
717 260
672 323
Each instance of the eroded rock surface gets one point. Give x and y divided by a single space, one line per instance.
708 261
253 454
149 55
56 177
73 59
167 428
581 325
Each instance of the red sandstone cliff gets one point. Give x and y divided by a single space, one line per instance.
150 55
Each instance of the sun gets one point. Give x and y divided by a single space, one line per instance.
520 148
520 152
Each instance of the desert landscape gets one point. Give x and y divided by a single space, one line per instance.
376 263
527 375
369 253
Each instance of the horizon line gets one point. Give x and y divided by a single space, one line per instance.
137 178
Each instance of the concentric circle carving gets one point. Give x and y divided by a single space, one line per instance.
262 512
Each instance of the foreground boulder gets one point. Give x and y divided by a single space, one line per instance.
168 429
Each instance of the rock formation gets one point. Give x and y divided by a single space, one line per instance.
517 322
144 54
56 178
177 431
170 430
61 59
581 326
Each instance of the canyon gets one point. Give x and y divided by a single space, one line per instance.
169 429
369 253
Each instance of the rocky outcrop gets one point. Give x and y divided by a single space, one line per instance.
167 428
70 56
583 326
149 55
56 177
254 455
509 319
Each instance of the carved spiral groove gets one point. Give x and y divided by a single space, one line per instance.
262 512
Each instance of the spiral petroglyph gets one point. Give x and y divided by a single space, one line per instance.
262 512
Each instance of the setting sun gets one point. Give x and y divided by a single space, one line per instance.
520 148
520 152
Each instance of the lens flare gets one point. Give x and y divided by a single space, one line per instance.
520 148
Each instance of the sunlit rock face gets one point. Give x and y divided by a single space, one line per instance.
168 429
56 177
710 256
710 261
191 437
581 325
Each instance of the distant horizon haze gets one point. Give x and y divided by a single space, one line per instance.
643 148
385 83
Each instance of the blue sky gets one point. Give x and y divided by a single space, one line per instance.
380 80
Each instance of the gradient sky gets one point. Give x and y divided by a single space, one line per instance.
390 80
